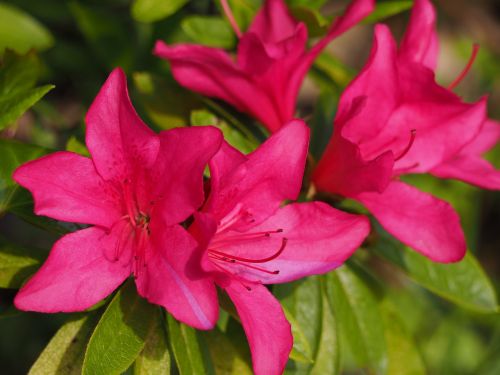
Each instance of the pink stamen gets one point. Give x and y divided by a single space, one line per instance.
413 133
247 260
233 261
230 17
456 82
243 237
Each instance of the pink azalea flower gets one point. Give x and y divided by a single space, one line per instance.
247 238
133 191
394 119
272 60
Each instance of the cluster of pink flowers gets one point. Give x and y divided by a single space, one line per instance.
142 194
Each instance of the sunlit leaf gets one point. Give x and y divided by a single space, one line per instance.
464 282
155 10
357 311
21 32
155 356
210 31
64 353
120 334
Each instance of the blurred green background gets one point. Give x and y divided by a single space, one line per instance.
75 44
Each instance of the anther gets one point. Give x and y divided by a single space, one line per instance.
463 74
247 260
413 133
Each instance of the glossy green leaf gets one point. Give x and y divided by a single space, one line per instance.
327 359
155 357
17 263
155 10
120 334
189 353
18 75
209 31
357 311
226 357
464 282
303 301
402 354
301 351
165 102
386 9
64 353
21 32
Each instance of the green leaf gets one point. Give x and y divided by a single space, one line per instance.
386 9
120 334
74 145
17 263
64 353
403 356
210 31
227 359
18 75
188 352
243 10
464 283
301 351
155 357
155 10
21 32
313 4
328 355
166 103
356 308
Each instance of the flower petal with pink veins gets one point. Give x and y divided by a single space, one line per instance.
172 278
268 332
271 174
420 42
426 224
76 274
318 239
67 187
119 142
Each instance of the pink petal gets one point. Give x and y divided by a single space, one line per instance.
427 224
211 72
343 170
273 23
76 274
271 174
471 169
268 332
66 187
486 139
318 239
172 278
378 83
177 178
119 142
420 43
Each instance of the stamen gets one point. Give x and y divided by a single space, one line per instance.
127 197
456 82
243 237
230 17
233 261
413 133
247 260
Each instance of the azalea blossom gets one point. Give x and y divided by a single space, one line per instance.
133 191
394 119
271 63
247 238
